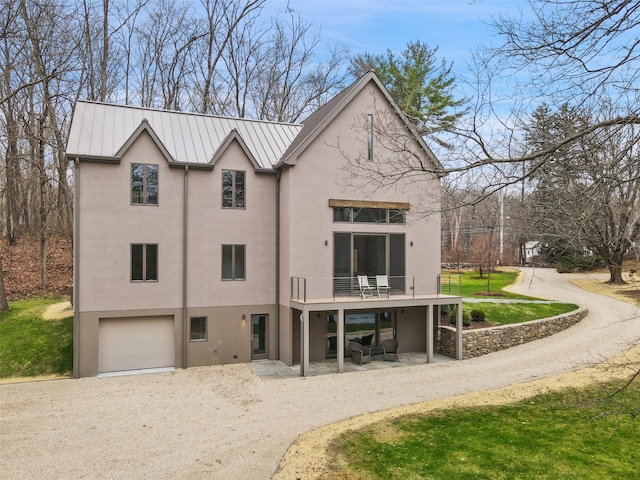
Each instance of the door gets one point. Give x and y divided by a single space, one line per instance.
259 337
135 343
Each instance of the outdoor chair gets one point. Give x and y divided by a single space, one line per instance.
365 289
390 349
382 284
359 354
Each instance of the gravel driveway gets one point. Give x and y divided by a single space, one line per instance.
224 422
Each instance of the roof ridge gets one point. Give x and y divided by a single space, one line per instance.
183 112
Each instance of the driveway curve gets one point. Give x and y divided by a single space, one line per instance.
224 422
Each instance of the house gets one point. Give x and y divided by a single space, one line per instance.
204 240
532 250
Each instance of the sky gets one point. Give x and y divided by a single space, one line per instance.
456 27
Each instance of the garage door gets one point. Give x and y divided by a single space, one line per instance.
136 343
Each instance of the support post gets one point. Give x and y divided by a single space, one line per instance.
304 347
459 331
340 342
429 333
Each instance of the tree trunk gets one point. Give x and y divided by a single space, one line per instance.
615 274
4 306
43 205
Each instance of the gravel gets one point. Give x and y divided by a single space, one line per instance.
224 422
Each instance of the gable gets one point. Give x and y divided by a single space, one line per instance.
99 131
316 123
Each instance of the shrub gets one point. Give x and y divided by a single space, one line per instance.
445 309
466 319
478 315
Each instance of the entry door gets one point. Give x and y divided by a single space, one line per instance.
259 324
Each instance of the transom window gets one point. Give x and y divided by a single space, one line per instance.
233 262
233 189
368 215
144 184
144 262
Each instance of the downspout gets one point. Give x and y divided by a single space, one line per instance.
76 268
278 173
184 265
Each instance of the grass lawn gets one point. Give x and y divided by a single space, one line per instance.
472 286
506 313
31 346
555 435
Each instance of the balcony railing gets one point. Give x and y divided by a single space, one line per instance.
307 289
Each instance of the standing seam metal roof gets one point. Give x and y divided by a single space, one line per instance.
101 129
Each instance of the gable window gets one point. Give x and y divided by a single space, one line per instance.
144 262
198 329
369 137
233 262
144 184
233 189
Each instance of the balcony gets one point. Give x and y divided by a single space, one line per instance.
346 289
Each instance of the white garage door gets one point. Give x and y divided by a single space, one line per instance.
136 343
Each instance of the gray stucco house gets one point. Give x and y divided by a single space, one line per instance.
204 240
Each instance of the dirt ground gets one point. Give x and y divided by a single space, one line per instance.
308 457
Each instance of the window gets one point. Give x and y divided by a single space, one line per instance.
368 254
233 262
369 137
233 189
198 329
144 184
144 262
369 215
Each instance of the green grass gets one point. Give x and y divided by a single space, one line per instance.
31 346
556 435
472 286
507 313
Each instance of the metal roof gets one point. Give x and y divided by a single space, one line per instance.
99 130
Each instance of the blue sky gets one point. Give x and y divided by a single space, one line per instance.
457 27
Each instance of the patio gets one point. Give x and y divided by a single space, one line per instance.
275 369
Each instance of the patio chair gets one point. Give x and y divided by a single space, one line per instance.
382 284
390 350
365 289
359 354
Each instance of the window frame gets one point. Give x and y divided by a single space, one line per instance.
234 263
145 194
234 189
144 263
201 318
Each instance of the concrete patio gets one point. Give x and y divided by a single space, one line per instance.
274 369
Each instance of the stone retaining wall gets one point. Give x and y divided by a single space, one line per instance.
486 340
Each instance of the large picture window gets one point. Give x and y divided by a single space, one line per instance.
144 184
368 254
144 262
233 189
233 262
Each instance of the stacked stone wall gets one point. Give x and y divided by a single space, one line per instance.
486 340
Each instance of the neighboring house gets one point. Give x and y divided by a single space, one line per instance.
532 249
204 240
